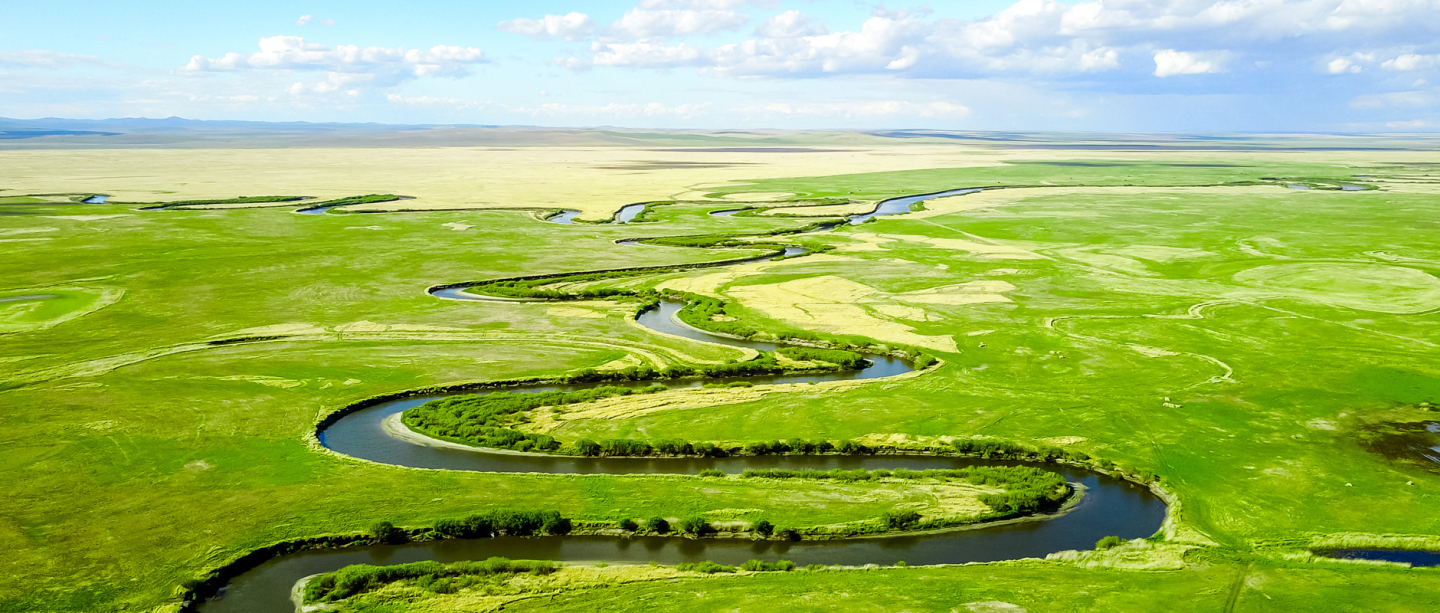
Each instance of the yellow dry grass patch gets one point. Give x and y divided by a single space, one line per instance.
795 303
626 407
991 198
597 180
757 196
900 311
1161 254
955 499
265 380
370 326
571 311
622 363
710 284
1063 440
1138 554
279 330
1152 352
85 217
495 596
14 231
835 210
984 250
839 305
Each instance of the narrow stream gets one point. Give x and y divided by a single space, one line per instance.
566 216
322 209
629 212
1413 558
902 204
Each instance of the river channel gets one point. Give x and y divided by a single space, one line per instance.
1108 507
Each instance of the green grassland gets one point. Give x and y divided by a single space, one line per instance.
1203 586
1233 343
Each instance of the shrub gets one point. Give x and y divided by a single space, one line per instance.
513 523
709 450
386 532
847 360
763 527
480 419
711 472
705 567
657 525
674 446
900 519
624 447
788 534
695 524
1108 542
437 577
587 447
556 525
762 566
629 524
758 448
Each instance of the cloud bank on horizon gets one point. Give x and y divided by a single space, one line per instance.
1137 65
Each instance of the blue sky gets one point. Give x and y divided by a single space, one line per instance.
1107 65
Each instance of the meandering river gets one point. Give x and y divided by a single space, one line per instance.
1108 507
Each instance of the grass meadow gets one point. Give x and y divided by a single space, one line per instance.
1186 314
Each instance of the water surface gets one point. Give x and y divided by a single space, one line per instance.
895 206
565 216
1413 558
630 212
1110 507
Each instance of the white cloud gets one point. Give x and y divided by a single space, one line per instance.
791 24
1341 65
40 58
1411 61
1350 64
1413 124
883 108
382 66
1396 99
647 24
695 5
1033 36
1170 62
572 26
304 20
649 55
652 109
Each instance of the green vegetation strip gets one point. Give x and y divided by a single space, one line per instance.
433 576
239 200
1028 489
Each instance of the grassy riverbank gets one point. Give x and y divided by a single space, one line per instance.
1007 587
1235 341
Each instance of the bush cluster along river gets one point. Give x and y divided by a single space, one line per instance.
1109 506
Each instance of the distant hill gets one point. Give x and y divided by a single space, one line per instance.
60 133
